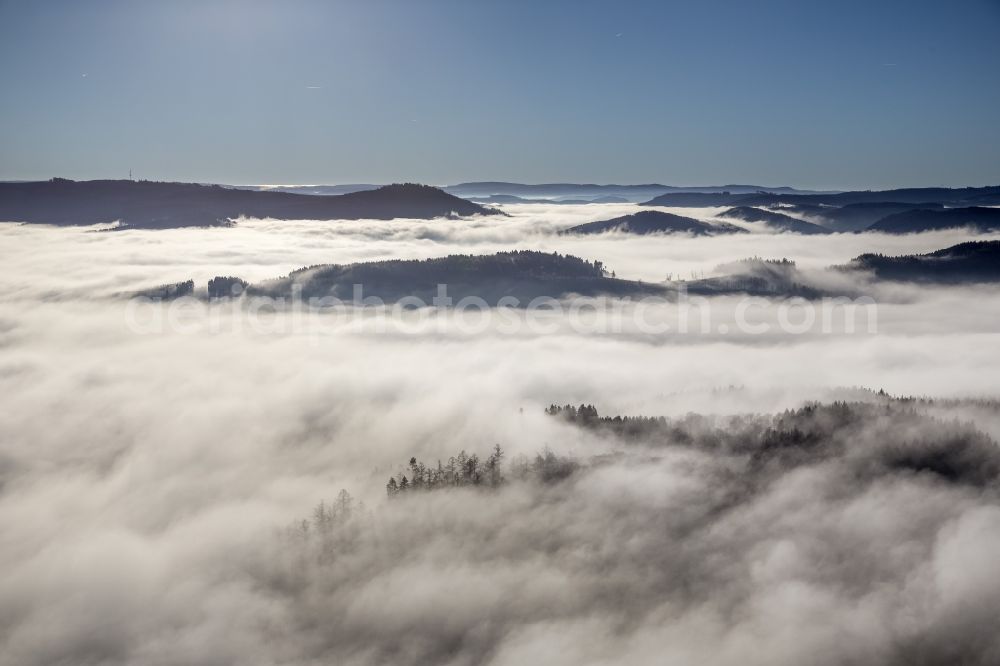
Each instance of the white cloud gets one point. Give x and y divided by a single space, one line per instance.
142 475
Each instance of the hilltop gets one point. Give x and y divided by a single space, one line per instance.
776 221
963 263
522 275
655 222
914 221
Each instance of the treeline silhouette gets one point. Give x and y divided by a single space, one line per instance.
226 286
460 470
755 260
875 438
974 261
469 470
166 292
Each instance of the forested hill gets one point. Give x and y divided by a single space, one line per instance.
523 275
526 274
980 218
775 220
155 205
654 222
966 262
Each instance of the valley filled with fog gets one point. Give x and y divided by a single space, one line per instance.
159 483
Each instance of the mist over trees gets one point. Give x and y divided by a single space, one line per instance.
879 438
308 412
167 292
460 470
468 470
829 496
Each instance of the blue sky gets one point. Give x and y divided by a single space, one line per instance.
812 94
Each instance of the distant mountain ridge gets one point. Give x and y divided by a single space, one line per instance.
966 196
863 210
511 199
590 191
314 190
156 205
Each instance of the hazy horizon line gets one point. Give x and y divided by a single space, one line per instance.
344 183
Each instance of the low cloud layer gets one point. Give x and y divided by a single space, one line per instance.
146 480
42 261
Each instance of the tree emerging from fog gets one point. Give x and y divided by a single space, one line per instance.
469 470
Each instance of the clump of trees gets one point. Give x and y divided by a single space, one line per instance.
325 517
584 414
764 276
465 470
629 427
226 286
166 292
545 467
755 260
460 470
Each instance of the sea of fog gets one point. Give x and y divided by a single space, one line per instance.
147 477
